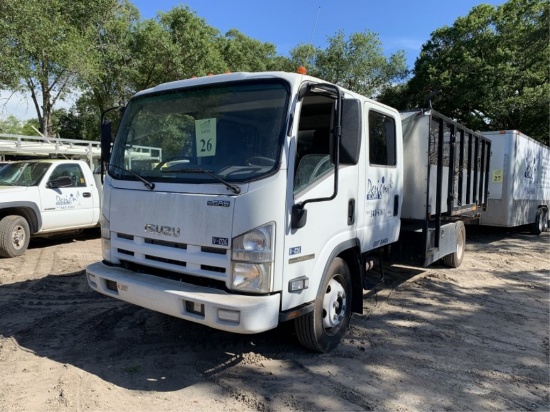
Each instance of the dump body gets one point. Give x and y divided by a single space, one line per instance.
519 183
445 180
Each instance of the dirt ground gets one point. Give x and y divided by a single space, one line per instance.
473 338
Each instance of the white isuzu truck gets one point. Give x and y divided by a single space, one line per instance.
273 194
519 182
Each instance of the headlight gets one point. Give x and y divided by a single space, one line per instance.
252 260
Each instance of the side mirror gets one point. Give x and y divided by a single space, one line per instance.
105 140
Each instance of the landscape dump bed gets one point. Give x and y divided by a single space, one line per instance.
445 180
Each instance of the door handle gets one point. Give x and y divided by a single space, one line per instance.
86 194
351 212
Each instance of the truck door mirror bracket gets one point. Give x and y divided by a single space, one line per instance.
298 217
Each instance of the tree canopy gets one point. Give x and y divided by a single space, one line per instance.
489 70
46 48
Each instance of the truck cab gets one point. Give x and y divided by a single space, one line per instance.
269 194
45 197
266 196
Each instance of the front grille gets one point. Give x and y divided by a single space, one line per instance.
125 252
160 256
166 243
180 277
164 260
125 236
213 268
209 249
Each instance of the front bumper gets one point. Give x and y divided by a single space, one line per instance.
210 307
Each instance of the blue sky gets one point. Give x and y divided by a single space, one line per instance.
400 25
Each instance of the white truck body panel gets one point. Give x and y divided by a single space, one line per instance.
256 313
519 181
173 244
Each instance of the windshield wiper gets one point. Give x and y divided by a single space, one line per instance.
234 188
149 185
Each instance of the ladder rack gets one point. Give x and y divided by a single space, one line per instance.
20 145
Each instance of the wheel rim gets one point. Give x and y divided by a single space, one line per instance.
18 237
334 304
460 245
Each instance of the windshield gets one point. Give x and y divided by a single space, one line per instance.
22 173
232 131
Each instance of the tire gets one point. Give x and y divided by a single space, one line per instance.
537 227
322 329
454 260
14 236
545 220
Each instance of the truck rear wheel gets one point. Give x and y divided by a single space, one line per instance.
14 236
322 329
537 227
454 260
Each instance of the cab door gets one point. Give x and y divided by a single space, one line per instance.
382 183
70 206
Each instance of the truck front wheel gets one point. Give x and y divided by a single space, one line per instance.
322 329
14 236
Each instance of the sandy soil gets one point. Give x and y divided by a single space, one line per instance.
473 338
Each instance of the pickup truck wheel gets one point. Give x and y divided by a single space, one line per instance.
322 329
454 260
14 236
537 227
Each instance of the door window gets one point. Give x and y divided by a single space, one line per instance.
70 170
381 139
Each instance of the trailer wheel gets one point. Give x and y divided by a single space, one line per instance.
454 260
545 220
322 329
14 236
537 227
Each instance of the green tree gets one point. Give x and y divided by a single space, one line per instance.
113 39
489 70
241 53
46 46
192 48
12 125
303 55
356 62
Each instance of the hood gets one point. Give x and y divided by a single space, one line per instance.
194 219
5 190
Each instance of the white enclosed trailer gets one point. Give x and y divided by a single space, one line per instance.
274 193
519 182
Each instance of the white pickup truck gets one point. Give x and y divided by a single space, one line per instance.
40 198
